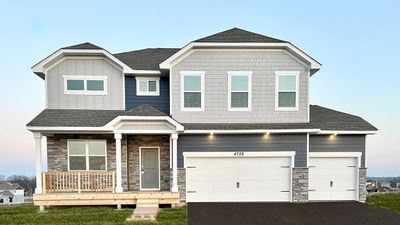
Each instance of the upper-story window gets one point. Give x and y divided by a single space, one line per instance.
147 86
192 91
85 85
239 90
87 155
287 90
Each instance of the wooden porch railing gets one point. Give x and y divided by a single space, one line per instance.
85 181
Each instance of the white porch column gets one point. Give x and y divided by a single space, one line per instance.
118 163
38 157
174 138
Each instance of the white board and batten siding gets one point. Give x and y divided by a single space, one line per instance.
333 177
238 176
96 66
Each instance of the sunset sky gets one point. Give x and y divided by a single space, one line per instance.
357 43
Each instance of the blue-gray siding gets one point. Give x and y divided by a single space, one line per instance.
339 143
244 142
159 102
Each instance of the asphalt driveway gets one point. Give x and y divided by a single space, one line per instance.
327 213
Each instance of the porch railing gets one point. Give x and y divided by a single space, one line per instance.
85 181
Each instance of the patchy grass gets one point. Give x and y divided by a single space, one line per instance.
28 215
385 201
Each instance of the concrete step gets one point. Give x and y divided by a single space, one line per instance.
144 213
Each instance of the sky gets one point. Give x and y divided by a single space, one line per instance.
356 41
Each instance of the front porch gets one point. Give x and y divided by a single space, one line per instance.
132 163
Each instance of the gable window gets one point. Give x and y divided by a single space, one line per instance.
287 94
87 155
85 85
147 86
239 91
192 91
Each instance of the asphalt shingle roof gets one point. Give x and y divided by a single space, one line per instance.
87 118
86 45
236 35
9 186
146 59
320 118
6 194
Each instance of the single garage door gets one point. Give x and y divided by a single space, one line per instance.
238 179
333 178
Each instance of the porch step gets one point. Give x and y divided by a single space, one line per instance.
147 203
144 213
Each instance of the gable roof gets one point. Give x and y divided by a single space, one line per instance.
6 194
9 186
320 118
146 59
85 45
236 35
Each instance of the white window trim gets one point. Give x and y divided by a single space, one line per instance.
192 73
231 74
85 79
147 93
286 73
87 153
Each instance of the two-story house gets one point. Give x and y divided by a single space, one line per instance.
226 118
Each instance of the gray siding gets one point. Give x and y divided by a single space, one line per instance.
216 64
159 102
244 142
340 143
56 99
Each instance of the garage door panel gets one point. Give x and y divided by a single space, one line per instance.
332 178
238 179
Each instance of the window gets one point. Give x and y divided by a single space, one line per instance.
239 91
287 96
85 85
147 86
87 155
192 95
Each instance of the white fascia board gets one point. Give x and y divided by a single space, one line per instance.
313 63
346 132
97 129
241 155
334 154
253 131
39 67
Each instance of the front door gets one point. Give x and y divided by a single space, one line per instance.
149 168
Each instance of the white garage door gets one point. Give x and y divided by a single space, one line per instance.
333 178
230 179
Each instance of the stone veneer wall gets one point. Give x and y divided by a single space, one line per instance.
300 184
362 184
134 143
57 152
181 183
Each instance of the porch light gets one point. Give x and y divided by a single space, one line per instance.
266 135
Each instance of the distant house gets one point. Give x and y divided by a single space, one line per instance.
11 193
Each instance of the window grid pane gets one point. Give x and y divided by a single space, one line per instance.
287 99
239 99
192 99
95 85
77 147
239 83
192 83
152 86
75 85
97 163
97 148
77 162
287 83
143 85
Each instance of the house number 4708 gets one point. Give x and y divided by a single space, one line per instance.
238 153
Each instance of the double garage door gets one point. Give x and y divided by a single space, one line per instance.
247 177
238 178
333 178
